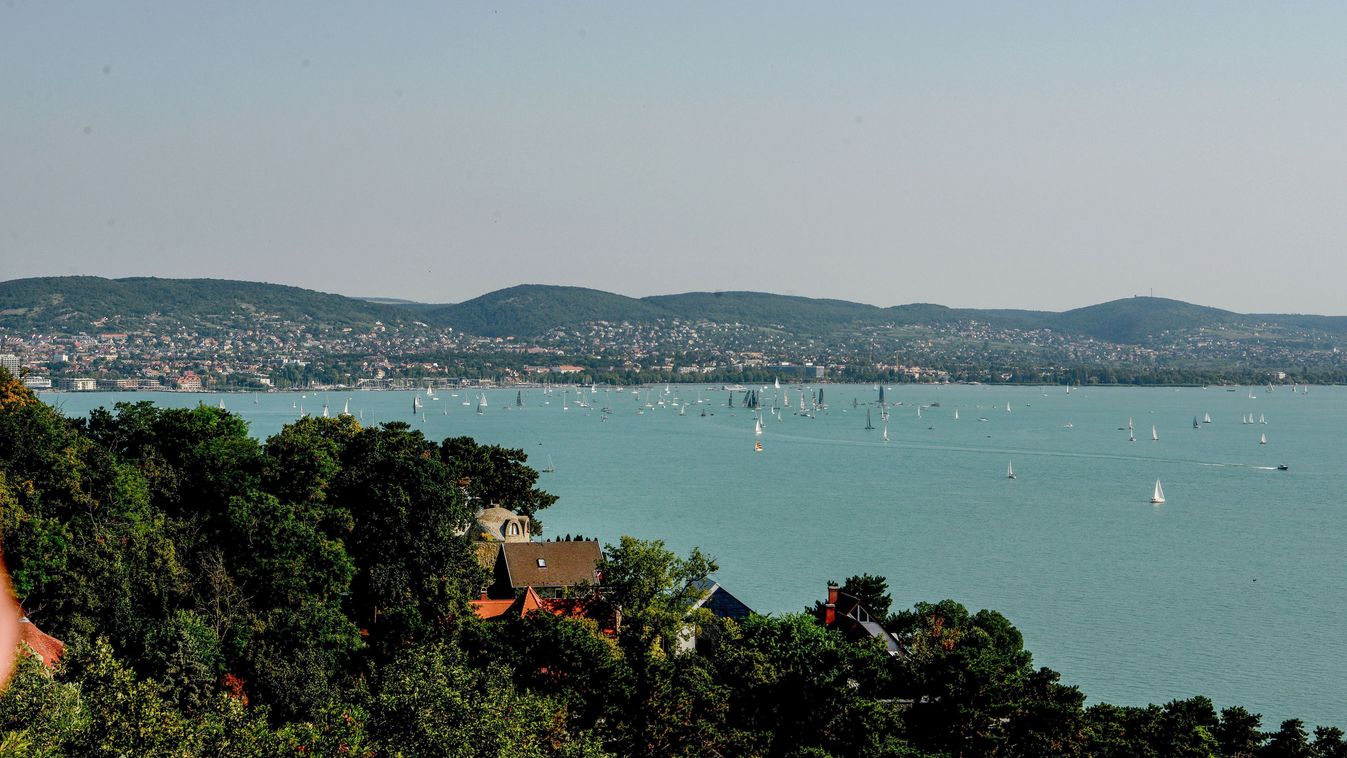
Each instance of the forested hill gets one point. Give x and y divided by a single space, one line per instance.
83 303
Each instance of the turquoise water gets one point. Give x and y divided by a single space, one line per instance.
1234 588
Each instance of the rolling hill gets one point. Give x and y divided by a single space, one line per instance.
79 303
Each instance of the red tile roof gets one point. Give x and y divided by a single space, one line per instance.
42 643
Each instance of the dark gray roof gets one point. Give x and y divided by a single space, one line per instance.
719 601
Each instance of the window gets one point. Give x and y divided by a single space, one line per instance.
542 563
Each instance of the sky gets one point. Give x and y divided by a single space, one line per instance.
1022 155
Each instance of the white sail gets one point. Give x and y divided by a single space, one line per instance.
757 427
1154 435
886 432
1262 439
1159 496
956 414
1010 470
776 384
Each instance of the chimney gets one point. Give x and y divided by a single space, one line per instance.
830 609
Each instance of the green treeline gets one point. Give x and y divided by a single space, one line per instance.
309 595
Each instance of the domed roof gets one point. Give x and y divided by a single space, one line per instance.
495 515
503 524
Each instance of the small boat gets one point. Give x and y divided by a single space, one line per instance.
1282 467
550 467
326 413
1262 439
1007 407
956 414
1195 424
1010 471
1261 420
868 426
757 427
1206 418
886 432
222 404
757 446
1131 436
1159 495
1155 436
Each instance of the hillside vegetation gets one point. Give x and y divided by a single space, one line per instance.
75 303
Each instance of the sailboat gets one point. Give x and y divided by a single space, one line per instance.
776 384
519 399
1131 436
222 404
550 467
1262 439
881 394
1261 420
1159 495
481 406
416 404
1155 436
868 426
1195 425
1206 418
683 409
956 414
886 432
757 427
1007 406
326 413
1010 471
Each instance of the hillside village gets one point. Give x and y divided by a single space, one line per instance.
258 347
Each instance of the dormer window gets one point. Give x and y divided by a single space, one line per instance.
542 563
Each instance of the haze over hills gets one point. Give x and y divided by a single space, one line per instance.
83 302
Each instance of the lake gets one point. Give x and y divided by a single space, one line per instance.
1233 588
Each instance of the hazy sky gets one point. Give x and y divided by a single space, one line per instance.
1035 155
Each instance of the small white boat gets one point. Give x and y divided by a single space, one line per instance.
1155 436
1262 439
1159 495
1010 471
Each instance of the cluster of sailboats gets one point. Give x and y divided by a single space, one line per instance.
805 403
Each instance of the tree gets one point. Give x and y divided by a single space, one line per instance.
1329 742
415 567
1290 741
653 589
494 475
429 702
1238 732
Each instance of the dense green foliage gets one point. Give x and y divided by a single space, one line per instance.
308 595
56 303
65 303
